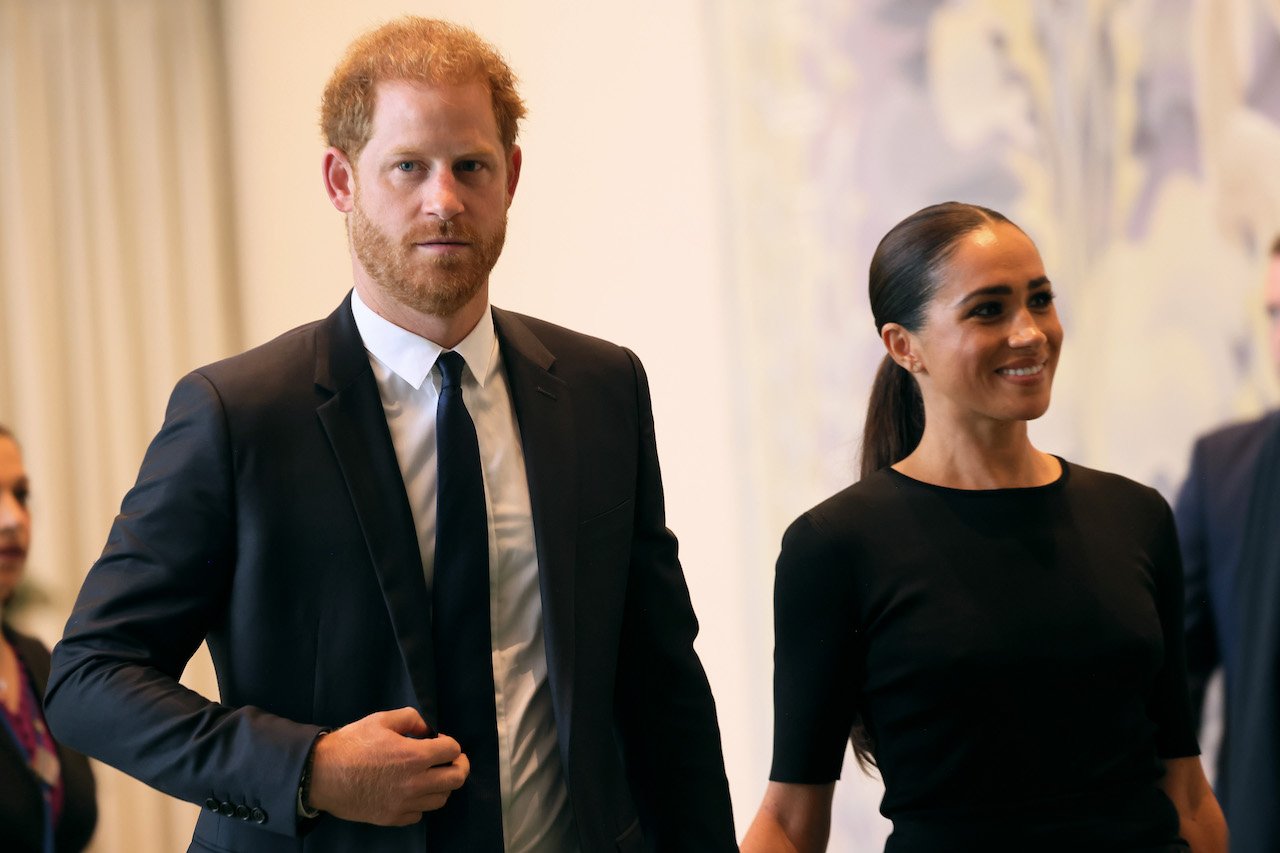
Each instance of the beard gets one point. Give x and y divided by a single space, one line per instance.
438 286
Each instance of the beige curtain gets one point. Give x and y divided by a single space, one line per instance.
115 278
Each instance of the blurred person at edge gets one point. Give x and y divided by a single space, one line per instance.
997 629
1228 515
47 802
425 539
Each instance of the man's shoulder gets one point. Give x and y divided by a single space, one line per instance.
297 344
328 350
571 352
277 373
1240 439
550 334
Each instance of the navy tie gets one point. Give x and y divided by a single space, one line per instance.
471 821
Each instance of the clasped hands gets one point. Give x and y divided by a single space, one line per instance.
383 769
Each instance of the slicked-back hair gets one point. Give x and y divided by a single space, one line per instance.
905 273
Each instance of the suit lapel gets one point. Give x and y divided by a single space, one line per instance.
543 407
356 427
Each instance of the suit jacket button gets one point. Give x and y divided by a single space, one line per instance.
211 804
226 809
242 812
258 816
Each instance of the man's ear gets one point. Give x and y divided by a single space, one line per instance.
902 347
513 171
340 179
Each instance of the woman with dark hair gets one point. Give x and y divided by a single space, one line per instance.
47 801
998 630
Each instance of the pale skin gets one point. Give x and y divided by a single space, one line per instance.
984 360
434 154
447 136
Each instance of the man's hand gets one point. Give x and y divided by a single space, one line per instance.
383 770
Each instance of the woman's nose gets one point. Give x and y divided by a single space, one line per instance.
1026 333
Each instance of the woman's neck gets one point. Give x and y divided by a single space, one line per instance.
999 457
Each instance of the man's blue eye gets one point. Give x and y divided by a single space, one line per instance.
406 166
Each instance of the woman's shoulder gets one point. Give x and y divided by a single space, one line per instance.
852 511
872 492
1106 500
1105 485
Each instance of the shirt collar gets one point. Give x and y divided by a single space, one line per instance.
411 356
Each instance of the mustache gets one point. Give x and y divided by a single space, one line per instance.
447 230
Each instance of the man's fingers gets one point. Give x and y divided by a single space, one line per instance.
447 777
434 801
435 785
382 769
405 721
442 749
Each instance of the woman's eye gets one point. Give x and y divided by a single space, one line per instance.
986 309
20 495
1043 299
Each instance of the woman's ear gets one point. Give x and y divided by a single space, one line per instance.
902 346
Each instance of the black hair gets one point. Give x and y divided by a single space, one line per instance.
903 278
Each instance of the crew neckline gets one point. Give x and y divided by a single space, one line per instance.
1053 485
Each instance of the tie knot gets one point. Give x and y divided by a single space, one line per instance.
451 365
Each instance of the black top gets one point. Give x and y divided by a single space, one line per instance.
21 809
1015 654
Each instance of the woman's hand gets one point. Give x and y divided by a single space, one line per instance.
1200 820
792 819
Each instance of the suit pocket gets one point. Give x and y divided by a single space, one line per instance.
632 839
617 511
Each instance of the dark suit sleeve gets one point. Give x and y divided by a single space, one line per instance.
1201 636
158 589
671 739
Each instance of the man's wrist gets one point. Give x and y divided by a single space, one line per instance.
304 784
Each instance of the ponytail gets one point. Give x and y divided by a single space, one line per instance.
895 418
901 283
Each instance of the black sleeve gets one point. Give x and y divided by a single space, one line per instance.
1198 627
816 669
1169 705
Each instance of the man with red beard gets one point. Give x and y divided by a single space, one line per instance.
424 539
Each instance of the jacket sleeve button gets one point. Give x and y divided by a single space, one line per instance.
226 809
258 816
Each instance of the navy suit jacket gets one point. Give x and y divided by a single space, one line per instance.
1212 513
270 519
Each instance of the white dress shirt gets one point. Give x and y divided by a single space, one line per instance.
536 817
